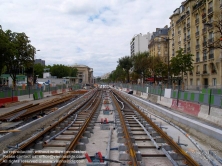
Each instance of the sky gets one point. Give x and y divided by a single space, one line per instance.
95 33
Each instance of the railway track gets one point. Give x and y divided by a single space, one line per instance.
141 140
144 139
31 111
56 143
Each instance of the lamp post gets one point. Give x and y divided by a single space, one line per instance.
168 60
33 67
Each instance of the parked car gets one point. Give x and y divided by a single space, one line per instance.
42 83
21 83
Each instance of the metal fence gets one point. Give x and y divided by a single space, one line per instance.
30 90
205 96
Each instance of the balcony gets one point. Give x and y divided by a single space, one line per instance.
210 10
204 44
204 30
184 39
188 25
179 32
172 44
204 72
204 58
173 54
204 16
197 59
197 33
188 49
173 34
188 37
198 72
211 56
210 40
179 42
214 71
187 12
184 29
197 46
191 73
197 21
172 25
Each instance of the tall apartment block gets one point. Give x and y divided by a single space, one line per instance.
139 43
158 45
188 31
40 61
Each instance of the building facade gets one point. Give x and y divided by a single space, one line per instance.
158 45
139 43
85 74
188 30
40 61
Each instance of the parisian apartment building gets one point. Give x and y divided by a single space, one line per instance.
139 43
192 27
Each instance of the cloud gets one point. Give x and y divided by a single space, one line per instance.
93 33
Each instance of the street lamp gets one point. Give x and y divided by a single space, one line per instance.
33 67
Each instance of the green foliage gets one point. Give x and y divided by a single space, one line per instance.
38 70
63 71
126 64
141 64
73 72
181 63
16 52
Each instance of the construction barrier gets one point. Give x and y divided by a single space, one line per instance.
8 100
37 95
186 107
54 92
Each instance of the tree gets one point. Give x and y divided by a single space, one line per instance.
4 45
126 64
19 53
38 70
216 43
73 72
181 63
60 71
141 63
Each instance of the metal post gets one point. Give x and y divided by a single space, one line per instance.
160 92
168 63
178 92
29 91
210 101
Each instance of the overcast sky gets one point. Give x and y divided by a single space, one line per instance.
95 33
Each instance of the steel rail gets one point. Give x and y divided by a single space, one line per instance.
129 143
13 152
74 142
177 148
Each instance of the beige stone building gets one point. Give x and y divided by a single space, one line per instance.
84 76
188 31
158 45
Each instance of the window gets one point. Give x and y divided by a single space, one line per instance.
197 16
198 68
188 32
205 67
198 82
210 4
197 28
191 81
188 20
214 81
197 42
211 35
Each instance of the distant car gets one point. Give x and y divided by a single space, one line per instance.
21 83
42 83
130 92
